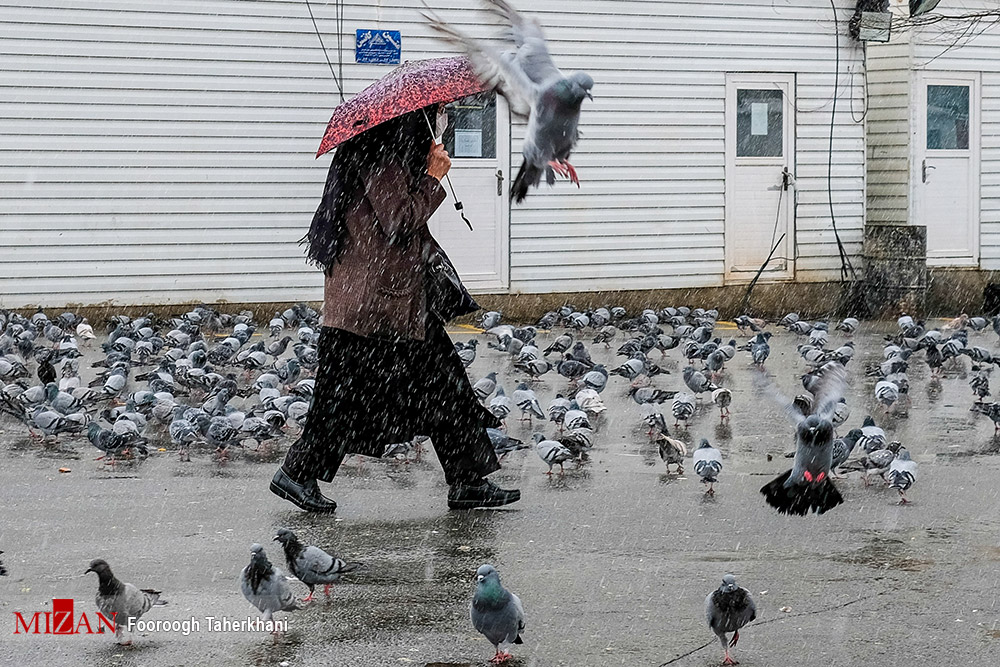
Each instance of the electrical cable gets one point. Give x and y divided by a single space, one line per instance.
845 260
340 50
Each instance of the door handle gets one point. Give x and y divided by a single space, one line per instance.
499 182
923 170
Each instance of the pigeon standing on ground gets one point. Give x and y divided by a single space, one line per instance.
728 609
535 88
672 452
484 387
526 400
902 474
708 465
120 601
552 452
311 565
266 586
3 570
496 612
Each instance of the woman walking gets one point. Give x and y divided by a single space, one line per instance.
387 368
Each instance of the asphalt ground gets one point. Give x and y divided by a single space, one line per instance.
612 560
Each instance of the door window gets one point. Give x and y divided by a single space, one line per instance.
759 123
947 117
472 127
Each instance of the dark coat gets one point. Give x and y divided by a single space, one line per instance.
376 287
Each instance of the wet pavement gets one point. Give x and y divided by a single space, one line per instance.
612 561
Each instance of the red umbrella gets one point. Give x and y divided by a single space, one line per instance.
411 86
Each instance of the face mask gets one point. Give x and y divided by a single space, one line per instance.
441 124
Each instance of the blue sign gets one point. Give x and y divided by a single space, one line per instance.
382 47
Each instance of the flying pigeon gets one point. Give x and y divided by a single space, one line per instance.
311 565
120 601
534 86
496 612
708 465
266 586
729 609
807 486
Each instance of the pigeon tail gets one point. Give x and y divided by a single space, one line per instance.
527 176
801 499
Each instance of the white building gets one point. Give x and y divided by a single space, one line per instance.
164 152
934 131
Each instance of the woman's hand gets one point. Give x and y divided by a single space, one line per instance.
438 162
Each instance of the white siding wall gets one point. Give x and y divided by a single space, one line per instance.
162 152
980 52
888 125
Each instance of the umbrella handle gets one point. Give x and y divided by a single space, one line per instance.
458 204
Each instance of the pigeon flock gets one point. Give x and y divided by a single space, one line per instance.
206 384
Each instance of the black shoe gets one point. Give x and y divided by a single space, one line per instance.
306 495
481 494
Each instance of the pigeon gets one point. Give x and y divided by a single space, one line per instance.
682 408
552 452
807 486
872 437
902 474
503 444
124 603
708 465
842 448
729 609
484 387
490 319
3 570
876 462
672 452
500 405
496 612
848 325
991 410
266 586
535 88
723 398
311 565
558 409
526 400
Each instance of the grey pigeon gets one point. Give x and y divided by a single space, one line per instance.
552 452
902 474
682 408
728 609
526 400
266 586
708 465
807 486
534 86
311 565
723 398
3 570
120 601
696 381
503 444
485 386
496 612
842 448
501 404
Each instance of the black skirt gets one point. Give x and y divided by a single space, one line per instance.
372 392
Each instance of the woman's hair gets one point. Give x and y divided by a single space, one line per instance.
406 139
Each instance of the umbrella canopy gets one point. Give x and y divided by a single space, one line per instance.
411 86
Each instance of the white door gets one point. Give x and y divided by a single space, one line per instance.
478 141
946 173
760 163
